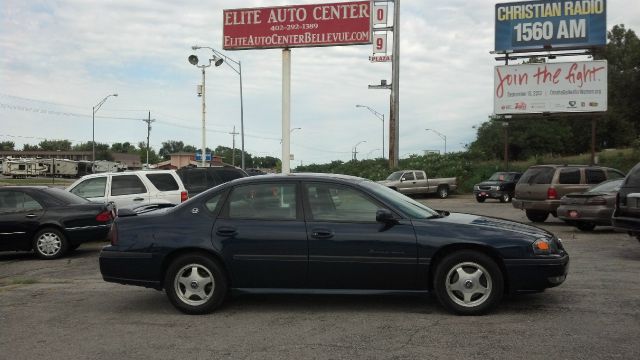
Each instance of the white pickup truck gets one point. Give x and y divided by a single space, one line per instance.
416 182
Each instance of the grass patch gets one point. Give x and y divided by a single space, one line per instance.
26 182
22 281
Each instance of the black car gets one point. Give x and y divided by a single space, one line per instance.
501 185
199 179
324 233
49 221
626 216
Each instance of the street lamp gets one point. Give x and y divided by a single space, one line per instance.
238 71
93 128
371 152
193 60
379 116
442 136
355 149
291 132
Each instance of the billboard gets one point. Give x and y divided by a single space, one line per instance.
559 87
345 23
550 24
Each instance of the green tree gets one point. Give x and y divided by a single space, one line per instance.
124 148
29 147
54 145
7 145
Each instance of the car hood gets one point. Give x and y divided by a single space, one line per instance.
485 222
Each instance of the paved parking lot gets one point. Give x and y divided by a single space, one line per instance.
62 309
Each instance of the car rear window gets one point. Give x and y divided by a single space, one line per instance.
537 175
595 176
227 174
163 182
569 176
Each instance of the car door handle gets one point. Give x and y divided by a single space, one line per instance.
322 233
31 215
226 231
138 199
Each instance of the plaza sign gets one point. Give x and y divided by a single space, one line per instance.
346 23
550 88
550 25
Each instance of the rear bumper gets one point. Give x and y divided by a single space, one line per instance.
597 215
536 274
130 268
540 205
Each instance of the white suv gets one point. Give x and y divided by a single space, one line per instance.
128 189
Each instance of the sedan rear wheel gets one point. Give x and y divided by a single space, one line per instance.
468 283
443 191
195 284
50 243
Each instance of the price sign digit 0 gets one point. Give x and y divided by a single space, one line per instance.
380 14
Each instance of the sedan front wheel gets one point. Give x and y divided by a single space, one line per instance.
195 284
50 243
468 283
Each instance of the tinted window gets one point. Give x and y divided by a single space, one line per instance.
30 203
126 185
196 179
412 208
537 175
228 174
91 188
263 201
212 203
569 176
65 196
163 182
612 185
12 201
329 202
419 176
614 174
408 176
595 176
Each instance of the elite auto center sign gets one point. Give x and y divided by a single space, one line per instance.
550 87
550 25
346 23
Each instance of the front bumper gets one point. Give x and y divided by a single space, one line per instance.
130 268
540 205
536 274
493 194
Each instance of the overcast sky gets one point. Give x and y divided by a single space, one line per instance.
60 58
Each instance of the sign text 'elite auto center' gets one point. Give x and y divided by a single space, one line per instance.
347 23
551 24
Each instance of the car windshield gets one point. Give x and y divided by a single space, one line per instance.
500 176
412 208
395 176
607 186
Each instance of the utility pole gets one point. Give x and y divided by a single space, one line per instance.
394 124
148 120
233 154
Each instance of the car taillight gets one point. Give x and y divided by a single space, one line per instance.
598 200
104 216
113 234
552 194
184 196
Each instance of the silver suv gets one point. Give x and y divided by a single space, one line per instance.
540 188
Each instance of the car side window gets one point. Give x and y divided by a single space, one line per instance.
91 188
16 201
614 174
212 203
595 176
329 202
419 176
163 181
569 176
263 201
127 185
408 176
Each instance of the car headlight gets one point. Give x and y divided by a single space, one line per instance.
544 246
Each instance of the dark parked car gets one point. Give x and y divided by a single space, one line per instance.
323 233
593 207
501 185
199 179
626 216
49 221
254 172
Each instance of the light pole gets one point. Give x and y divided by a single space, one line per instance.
93 129
193 60
370 152
291 132
379 116
238 71
442 136
355 149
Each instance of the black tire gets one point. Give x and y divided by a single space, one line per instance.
480 199
537 216
203 297
443 191
585 225
505 198
50 243
485 291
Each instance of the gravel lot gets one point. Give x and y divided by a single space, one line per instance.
62 309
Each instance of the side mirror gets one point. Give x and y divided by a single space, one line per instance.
402 179
384 216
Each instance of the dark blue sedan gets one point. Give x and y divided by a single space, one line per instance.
315 233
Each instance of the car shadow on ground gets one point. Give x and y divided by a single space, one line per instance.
81 252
